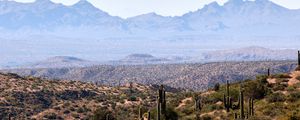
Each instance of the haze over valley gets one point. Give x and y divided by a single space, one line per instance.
40 30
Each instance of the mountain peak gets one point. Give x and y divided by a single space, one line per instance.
236 2
43 2
84 3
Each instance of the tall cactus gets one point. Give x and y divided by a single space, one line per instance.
269 72
149 115
158 108
198 105
241 103
140 114
107 117
164 102
250 107
227 99
162 99
298 58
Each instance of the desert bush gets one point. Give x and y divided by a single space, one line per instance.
274 109
281 76
132 98
255 89
206 117
294 96
278 86
298 77
81 110
290 88
51 116
212 107
100 114
217 87
276 97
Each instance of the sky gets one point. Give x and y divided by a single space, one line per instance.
130 8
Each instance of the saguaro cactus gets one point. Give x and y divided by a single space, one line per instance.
162 99
269 73
227 99
140 114
158 108
107 117
164 102
198 105
298 58
250 107
149 115
242 114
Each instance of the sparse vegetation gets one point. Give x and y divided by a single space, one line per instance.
44 99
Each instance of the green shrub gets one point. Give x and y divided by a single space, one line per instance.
298 77
279 86
290 88
101 113
255 89
206 117
274 109
132 98
294 96
262 79
276 97
217 87
281 76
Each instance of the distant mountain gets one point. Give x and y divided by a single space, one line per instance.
142 59
30 30
260 17
250 54
189 76
61 62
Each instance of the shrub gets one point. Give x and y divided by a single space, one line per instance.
262 79
276 97
274 109
281 76
290 88
217 87
132 98
294 96
294 116
255 89
298 77
100 114
171 114
66 112
80 110
279 86
51 116
206 117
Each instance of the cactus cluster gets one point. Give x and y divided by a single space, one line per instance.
250 111
161 105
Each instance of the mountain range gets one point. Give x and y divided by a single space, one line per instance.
43 29
260 17
252 53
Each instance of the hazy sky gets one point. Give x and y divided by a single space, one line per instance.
129 8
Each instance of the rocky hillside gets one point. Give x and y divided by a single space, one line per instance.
275 97
36 98
189 76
